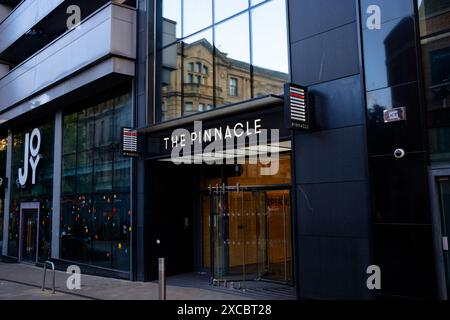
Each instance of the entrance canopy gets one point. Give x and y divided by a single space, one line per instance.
247 129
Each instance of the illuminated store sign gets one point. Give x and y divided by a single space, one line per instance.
31 156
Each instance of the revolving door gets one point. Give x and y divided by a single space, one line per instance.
251 237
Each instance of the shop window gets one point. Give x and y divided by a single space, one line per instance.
95 208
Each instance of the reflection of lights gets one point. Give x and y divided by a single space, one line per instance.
3 144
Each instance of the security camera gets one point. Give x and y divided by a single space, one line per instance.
399 153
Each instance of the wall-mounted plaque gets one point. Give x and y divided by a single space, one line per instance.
395 115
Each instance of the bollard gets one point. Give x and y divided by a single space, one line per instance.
162 279
54 276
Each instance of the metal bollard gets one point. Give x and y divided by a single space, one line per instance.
162 279
54 275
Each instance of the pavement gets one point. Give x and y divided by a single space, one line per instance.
23 282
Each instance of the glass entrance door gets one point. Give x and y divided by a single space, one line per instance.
444 191
251 234
29 217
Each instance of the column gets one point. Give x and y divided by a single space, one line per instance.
7 194
57 166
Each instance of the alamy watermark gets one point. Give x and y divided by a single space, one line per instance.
74 19
74 280
237 144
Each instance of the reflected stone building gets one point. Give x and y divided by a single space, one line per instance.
193 86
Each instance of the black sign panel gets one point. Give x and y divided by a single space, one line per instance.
297 108
130 142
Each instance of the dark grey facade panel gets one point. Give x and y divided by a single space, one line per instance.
331 156
333 211
327 56
340 215
331 267
338 104
311 17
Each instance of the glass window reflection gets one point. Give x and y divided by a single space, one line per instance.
435 40
270 48
240 57
197 15
96 217
226 8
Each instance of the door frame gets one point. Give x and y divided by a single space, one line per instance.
436 216
29 206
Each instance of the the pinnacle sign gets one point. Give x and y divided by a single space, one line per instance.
31 156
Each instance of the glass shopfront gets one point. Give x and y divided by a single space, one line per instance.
212 53
29 234
95 208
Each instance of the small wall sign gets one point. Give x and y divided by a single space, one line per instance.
130 142
395 115
297 108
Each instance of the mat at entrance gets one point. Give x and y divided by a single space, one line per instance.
258 290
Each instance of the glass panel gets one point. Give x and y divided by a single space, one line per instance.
444 188
29 235
279 242
170 82
104 124
103 161
270 49
233 60
172 21
198 52
84 172
121 232
70 134
435 16
435 40
69 167
197 16
206 73
227 8
95 227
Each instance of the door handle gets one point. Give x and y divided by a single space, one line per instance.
445 243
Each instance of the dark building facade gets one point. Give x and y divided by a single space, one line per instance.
367 186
